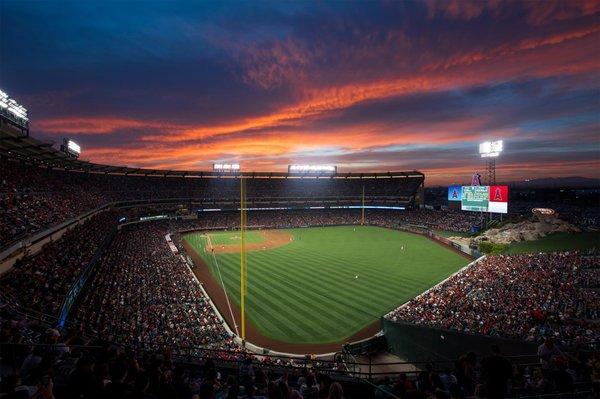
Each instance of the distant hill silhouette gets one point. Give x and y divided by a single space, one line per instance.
551 182
558 182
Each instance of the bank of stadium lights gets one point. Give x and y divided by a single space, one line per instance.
491 149
226 167
312 168
12 109
3 100
74 147
71 148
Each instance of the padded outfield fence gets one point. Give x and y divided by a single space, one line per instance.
416 343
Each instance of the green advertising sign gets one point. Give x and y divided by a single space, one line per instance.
475 198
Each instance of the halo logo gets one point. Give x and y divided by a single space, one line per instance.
476 179
498 194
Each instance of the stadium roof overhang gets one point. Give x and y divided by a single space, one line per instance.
15 145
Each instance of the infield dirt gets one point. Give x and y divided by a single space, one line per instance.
272 239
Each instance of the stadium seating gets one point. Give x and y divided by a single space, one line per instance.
33 198
66 364
40 283
441 220
526 297
154 300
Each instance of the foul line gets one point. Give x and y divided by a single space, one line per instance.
222 284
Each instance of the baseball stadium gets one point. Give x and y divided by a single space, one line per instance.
299 200
348 275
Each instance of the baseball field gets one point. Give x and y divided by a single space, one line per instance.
322 284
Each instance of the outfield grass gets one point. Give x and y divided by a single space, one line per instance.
307 291
557 242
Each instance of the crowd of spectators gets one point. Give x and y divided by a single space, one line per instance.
526 297
40 361
33 198
40 282
140 290
144 296
497 376
449 220
431 219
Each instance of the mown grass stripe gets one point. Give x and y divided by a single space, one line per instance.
291 291
305 291
320 287
268 301
319 298
366 282
264 288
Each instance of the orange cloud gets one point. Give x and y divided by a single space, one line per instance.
498 64
269 147
98 125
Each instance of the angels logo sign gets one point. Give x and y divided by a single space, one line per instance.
455 193
476 179
498 199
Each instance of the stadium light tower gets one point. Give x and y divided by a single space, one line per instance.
490 150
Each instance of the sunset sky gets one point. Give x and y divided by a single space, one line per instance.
369 86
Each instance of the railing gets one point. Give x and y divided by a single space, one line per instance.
81 281
48 319
346 366
13 354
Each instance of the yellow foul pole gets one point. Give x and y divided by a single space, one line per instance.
243 256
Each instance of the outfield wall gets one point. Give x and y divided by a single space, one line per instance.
415 343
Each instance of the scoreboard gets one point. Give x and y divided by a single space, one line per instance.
480 198
475 198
